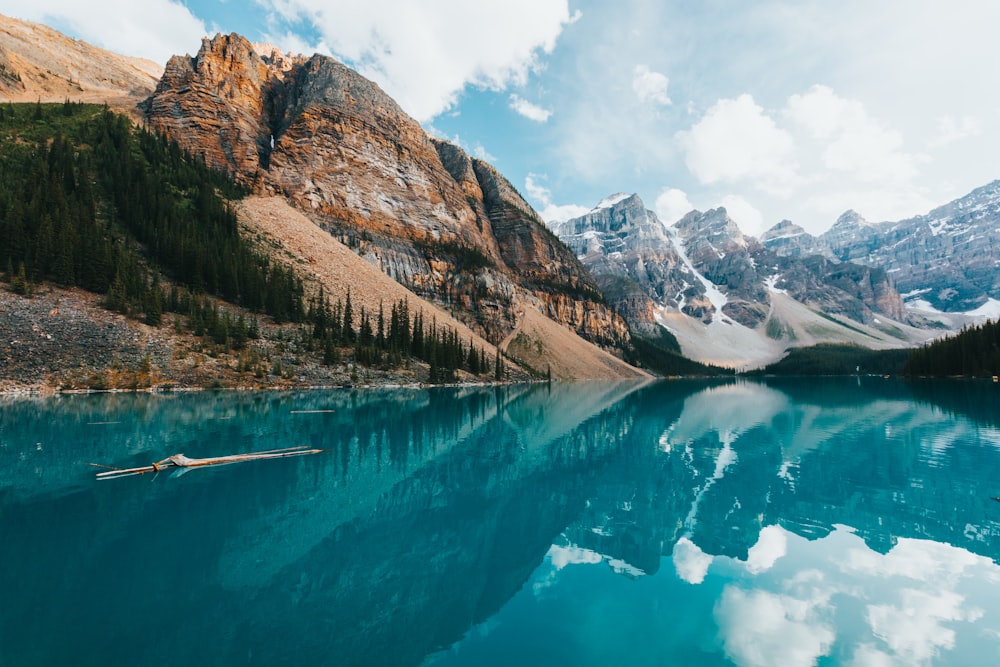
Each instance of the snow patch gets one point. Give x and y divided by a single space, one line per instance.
608 202
770 283
990 310
714 294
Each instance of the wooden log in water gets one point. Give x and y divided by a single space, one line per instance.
182 461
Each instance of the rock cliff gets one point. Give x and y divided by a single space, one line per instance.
446 225
947 257
702 278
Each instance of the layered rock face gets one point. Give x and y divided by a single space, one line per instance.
631 256
786 239
948 257
720 252
705 267
438 221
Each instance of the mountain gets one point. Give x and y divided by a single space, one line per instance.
443 224
944 262
314 141
947 258
727 297
631 257
786 239
39 63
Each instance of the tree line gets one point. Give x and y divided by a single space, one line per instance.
974 352
390 339
88 200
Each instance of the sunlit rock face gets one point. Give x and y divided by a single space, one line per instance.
444 224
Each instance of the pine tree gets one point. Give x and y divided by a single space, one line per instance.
348 323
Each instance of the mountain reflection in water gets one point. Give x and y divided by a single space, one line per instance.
744 523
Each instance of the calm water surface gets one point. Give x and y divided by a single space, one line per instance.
829 522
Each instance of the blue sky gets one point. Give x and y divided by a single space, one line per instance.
795 109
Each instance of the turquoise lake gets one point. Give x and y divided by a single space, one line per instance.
793 522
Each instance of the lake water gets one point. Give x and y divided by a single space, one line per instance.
830 522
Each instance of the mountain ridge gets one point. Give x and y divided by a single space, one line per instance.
334 144
479 252
727 297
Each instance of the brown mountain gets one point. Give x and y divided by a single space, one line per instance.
441 223
309 132
37 62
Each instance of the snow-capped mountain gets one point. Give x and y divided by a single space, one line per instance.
631 256
948 258
727 297
944 262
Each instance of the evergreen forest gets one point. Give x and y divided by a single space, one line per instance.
974 352
88 200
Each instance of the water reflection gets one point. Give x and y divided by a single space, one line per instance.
675 522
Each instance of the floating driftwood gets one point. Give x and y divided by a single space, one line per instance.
181 461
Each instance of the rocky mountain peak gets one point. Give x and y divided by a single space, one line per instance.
335 145
850 219
787 239
784 229
714 227
614 200
621 223
946 258
978 203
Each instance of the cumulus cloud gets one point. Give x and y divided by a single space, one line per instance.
529 110
855 143
542 196
425 54
154 29
672 205
749 219
650 86
760 628
914 629
736 141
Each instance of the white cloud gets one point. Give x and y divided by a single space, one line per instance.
919 560
672 205
424 54
543 196
690 562
529 110
650 86
735 141
749 219
914 629
561 556
762 629
154 29
952 129
855 143
771 545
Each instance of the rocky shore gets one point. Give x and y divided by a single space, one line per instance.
63 340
